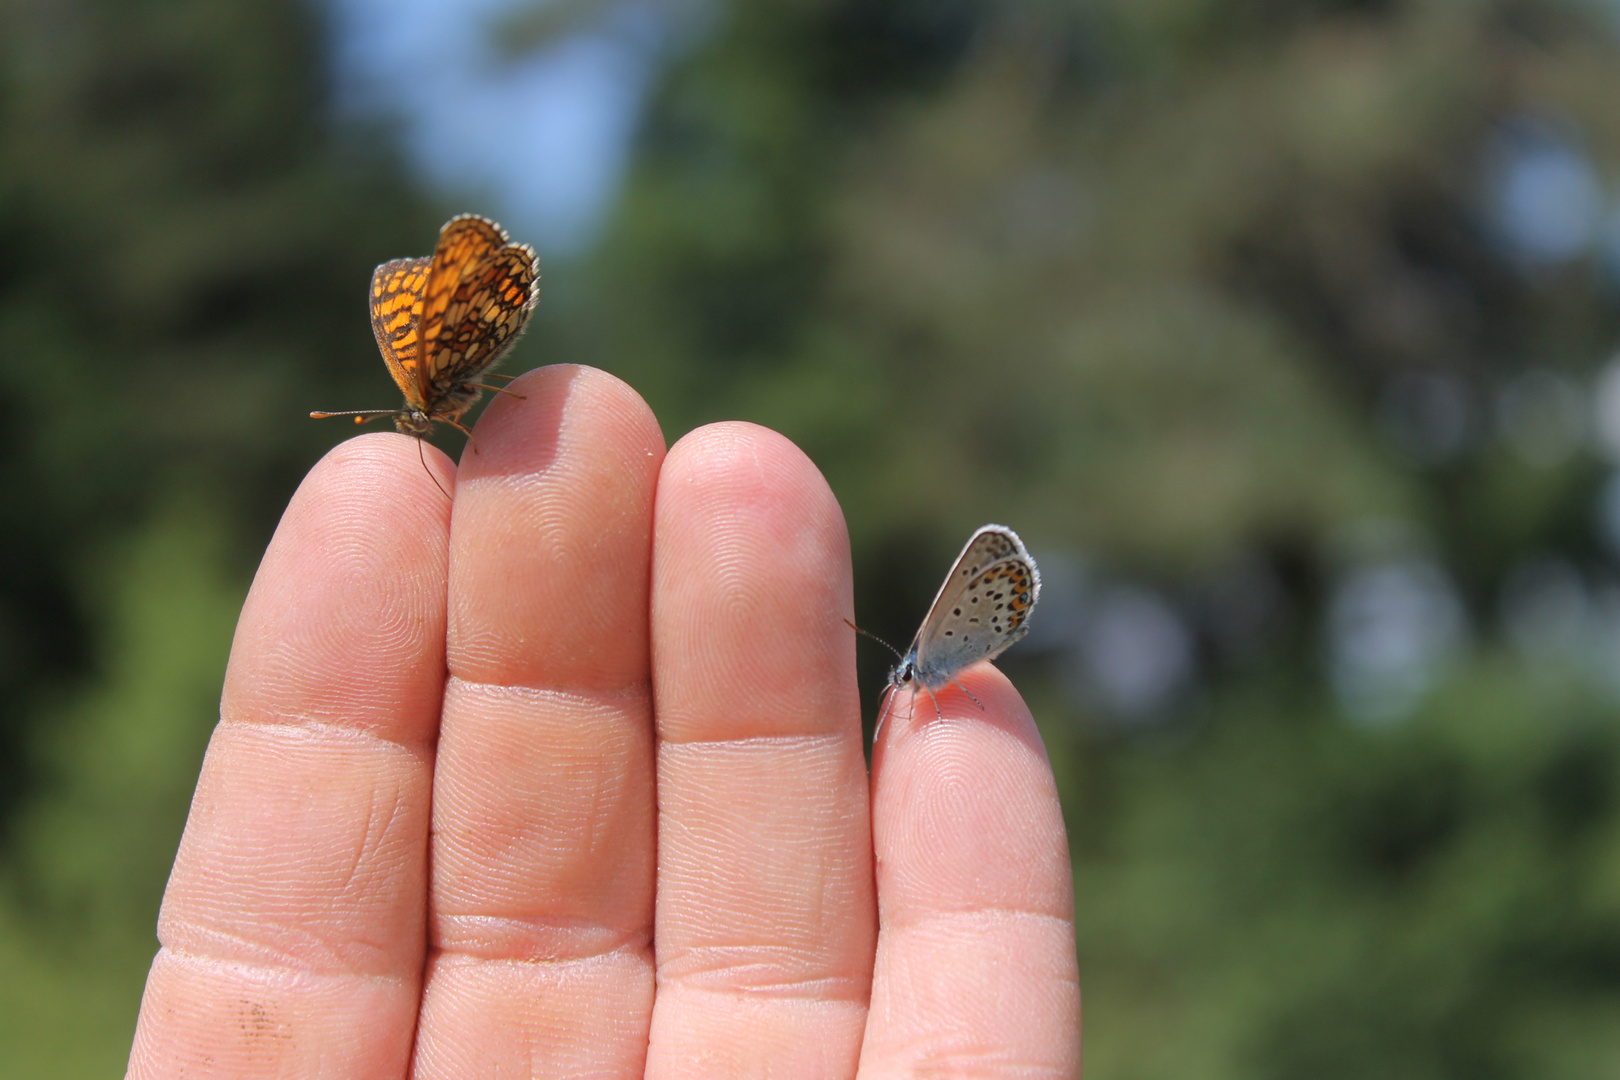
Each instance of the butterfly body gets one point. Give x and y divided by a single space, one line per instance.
443 321
982 608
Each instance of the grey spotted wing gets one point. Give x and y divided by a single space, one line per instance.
983 606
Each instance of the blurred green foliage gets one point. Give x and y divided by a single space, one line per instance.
1135 278
89 857
185 240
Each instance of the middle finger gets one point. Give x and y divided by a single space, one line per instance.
543 817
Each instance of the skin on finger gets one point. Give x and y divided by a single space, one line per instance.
766 918
292 927
543 804
976 970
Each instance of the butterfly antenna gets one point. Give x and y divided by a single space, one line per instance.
875 638
361 416
422 455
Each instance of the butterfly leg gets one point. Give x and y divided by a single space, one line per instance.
888 703
969 693
461 428
888 700
500 390
938 715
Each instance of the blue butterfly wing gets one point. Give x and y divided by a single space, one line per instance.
982 608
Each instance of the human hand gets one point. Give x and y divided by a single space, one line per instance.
632 832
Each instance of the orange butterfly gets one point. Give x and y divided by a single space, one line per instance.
442 322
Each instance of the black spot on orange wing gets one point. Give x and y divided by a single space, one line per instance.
484 318
465 243
441 321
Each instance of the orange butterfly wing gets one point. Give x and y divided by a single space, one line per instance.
480 292
396 313
443 320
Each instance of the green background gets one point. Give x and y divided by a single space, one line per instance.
1141 278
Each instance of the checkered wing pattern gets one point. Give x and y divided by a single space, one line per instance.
480 292
396 313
